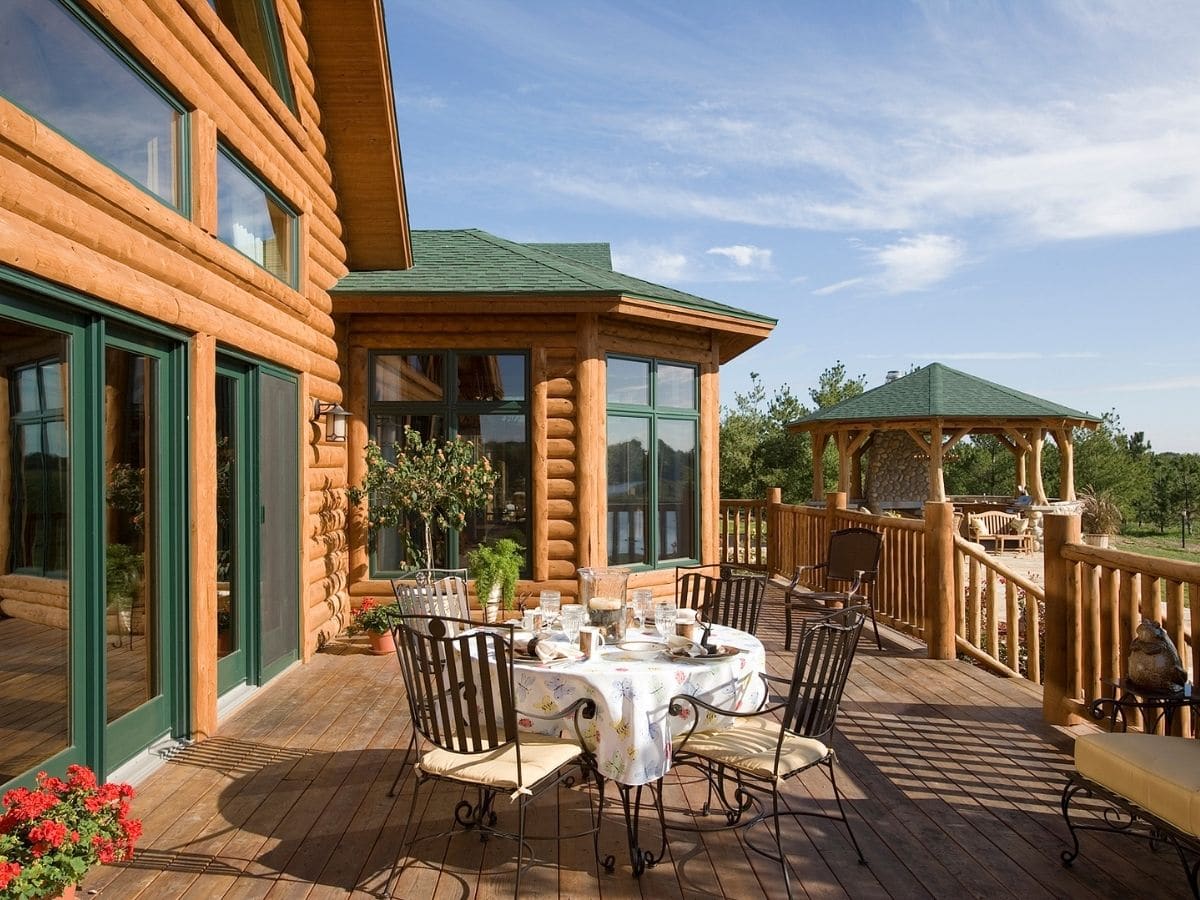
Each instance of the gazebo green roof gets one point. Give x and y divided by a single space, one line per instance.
471 261
940 392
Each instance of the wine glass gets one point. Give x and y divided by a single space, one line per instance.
664 618
643 606
551 603
572 621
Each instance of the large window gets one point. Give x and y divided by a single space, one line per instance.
653 433
256 27
56 64
253 220
474 394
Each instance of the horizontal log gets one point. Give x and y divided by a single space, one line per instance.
560 509
1154 566
561 569
561 529
560 448
34 584
34 612
559 549
560 408
560 429
560 488
560 468
559 388
34 598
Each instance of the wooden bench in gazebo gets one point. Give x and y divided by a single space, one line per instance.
1003 529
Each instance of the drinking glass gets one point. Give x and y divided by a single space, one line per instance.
572 621
664 618
551 603
643 606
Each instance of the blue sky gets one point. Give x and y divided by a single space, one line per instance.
1012 189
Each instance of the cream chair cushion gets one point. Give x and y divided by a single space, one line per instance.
1158 773
540 756
980 527
749 745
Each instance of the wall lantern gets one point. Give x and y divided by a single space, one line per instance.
335 420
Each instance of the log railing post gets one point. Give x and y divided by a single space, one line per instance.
939 580
1062 598
774 501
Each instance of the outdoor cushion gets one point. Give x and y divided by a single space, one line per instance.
980 526
749 745
540 755
1158 773
1018 526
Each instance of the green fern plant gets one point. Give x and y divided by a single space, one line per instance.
495 563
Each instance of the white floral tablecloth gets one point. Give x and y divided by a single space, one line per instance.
632 730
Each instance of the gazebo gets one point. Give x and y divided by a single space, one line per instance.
925 413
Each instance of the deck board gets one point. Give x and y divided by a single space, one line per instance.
951 778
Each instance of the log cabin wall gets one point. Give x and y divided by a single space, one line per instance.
563 414
69 219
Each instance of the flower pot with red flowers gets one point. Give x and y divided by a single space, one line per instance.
52 835
375 619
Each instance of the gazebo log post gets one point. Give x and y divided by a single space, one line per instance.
856 482
937 478
1066 463
819 440
842 439
1037 441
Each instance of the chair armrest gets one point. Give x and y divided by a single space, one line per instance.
675 708
800 570
582 708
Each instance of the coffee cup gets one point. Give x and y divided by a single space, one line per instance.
591 639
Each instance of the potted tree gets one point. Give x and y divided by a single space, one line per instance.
437 481
1100 515
496 566
122 581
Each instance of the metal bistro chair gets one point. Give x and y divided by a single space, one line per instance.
734 599
460 685
759 751
433 592
852 560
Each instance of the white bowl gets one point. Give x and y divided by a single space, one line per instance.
640 649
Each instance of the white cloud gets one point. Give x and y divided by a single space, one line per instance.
838 286
1185 383
745 255
909 264
652 263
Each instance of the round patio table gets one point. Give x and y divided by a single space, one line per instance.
632 729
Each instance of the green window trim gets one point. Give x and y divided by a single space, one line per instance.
181 156
658 416
274 67
449 410
292 243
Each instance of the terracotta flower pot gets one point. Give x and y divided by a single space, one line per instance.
381 642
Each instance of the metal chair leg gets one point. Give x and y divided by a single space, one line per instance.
405 766
787 623
874 624
783 866
837 795
404 845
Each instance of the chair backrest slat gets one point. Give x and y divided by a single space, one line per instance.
822 665
460 682
852 550
738 601
695 590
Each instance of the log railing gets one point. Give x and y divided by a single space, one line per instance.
998 614
1095 600
800 537
743 533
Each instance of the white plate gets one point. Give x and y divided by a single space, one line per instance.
640 649
723 652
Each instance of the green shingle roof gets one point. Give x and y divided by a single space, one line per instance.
598 255
939 392
471 261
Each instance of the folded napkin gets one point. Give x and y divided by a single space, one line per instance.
681 646
544 649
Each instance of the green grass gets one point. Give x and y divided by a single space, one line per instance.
1146 539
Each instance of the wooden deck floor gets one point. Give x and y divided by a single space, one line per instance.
953 782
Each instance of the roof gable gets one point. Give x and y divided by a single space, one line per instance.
940 392
597 254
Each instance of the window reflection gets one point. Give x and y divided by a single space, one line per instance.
255 27
61 71
628 381
413 376
130 389
35 534
628 498
252 221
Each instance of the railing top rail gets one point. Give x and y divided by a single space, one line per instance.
975 551
882 522
1154 566
743 504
